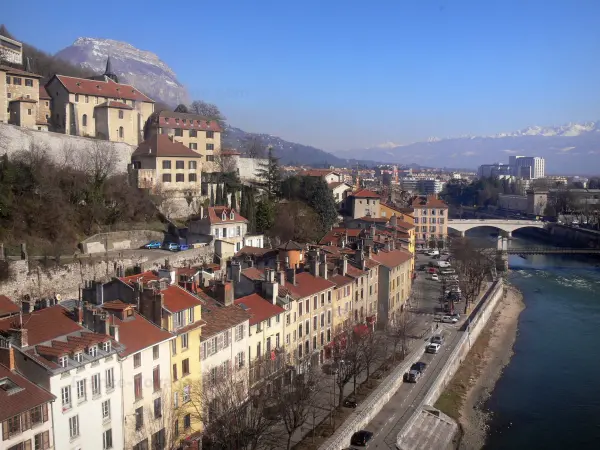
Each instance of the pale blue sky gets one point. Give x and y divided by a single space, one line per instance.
345 74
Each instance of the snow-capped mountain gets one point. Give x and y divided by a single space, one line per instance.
140 68
570 129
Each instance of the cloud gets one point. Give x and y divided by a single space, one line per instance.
565 149
510 152
469 153
593 152
453 155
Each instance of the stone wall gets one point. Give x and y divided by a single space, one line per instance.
39 280
119 240
248 167
574 237
60 147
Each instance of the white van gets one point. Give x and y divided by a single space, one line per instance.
432 252
441 263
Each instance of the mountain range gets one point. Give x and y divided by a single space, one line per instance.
568 149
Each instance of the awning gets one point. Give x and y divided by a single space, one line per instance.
361 330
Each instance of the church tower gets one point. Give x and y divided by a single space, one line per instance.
109 73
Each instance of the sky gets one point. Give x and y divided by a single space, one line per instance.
351 74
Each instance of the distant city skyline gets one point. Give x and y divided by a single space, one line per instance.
341 74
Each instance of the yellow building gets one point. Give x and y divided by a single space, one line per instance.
403 220
159 161
342 302
196 132
99 107
19 98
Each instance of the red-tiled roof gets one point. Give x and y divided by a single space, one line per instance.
108 89
186 121
259 308
354 272
405 225
341 280
253 251
429 201
144 277
26 396
187 271
220 318
227 152
113 104
7 306
44 325
336 184
317 172
23 99
307 284
391 259
13 71
374 219
215 215
178 299
135 333
161 145
365 193
44 94
254 274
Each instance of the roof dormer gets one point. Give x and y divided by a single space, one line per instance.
224 216
232 215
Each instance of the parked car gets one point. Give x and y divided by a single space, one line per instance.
436 256
432 252
183 247
350 403
423 267
432 348
171 246
456 316
443 264
434 277
420 366
153 244
455 289
432 270
437 339
361 437
413 376
448 319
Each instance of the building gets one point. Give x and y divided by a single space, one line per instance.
494 170
159 163
146 373
100 107
528 167
196 132
395 281
26 408
364 203
20 99
11 51
330 176
342 299
339 190
78 367
221 223
431 220
429 186
8 308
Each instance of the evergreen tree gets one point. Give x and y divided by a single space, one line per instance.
212 196
265 215
320 198
219 196
233 200
270 175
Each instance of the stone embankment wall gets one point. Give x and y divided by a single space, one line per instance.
575 237
119 240
35 279
478 321
61 147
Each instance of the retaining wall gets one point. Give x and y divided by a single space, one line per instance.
479 319
119 240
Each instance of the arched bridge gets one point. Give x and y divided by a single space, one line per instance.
464 225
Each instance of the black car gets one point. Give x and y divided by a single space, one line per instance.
420 366
361 437
350 403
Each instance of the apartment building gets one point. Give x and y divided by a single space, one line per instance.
431 220
222 223
198 133
25 413
78 367
160 163
99 107
11 50
395 281
146 377
20 102
342 300
364 203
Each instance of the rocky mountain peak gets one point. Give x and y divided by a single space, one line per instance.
140 68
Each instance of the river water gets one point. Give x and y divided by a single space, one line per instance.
548 397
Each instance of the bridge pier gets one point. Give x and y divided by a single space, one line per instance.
502 254
507 234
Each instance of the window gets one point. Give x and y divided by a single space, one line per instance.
14 425
107 439
300 330
175 372
315 303
178 132
42 441
142 445
81 390
166 177
186 394
137 360
192 177
193 133
7 79
121 115
307 326
210 134
87 98
110 379
166 164
74 426
176 400
178 319
322 299
78 357
93 350
157 408
106 409
8 95
192 165
239 332
184 340
185 367
63 361
36 415
193 146
300 309
187 421
76 96
158 440
106 346
315 323
210 146
29 112
210 158
323 319
139 418
137 385
174 347
156 378
179 164
65 394
96 384
155 352
121 132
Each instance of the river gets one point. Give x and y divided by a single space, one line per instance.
548 397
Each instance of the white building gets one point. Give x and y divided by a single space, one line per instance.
430 186
80 368
222 223
146 374
254 240
11 50
528 167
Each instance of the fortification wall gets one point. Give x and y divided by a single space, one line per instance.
61 147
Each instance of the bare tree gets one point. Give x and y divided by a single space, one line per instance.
348 359
163 200
472 264
373 350
253 146
207 110
402 331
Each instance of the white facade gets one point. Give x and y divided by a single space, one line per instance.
265 336
254 240
536 165
225 351
145 363
83 422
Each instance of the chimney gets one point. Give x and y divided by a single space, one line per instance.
99 294
394 220
2 255
23 251
113 331
287 262
291 275
277 265
373 231
369 251
79 312
344 265
314 263
20 336
7 354
28 305
323 266
281 277
225 292
236 271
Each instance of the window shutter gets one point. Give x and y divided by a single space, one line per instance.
220 342
25 421
5 430
243 331
45 412
46 439
27 445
